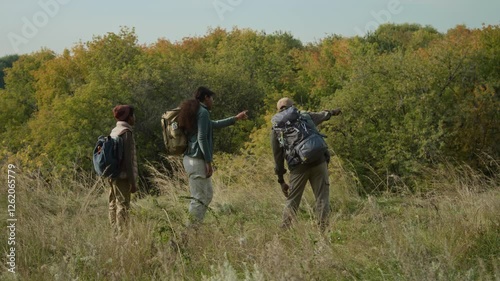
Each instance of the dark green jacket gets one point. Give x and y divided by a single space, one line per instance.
200 142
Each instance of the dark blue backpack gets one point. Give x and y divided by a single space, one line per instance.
299 137
108 154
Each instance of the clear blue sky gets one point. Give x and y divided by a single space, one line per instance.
29 25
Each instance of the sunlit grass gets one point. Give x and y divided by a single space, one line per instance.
449 232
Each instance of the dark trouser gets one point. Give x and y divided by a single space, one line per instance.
318 177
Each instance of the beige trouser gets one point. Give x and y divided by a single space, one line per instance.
119 203
200 187
318 177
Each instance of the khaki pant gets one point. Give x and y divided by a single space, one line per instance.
200 187
119 203
318 178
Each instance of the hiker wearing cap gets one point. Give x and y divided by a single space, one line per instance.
194 119
313 169
125 184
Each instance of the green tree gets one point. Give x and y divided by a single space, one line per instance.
75 94
390 37
411 97
6 62
404 110
18 100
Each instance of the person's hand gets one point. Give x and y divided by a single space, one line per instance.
335 112
209 170
242 115
285 188
133 188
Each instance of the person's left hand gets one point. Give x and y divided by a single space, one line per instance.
242 115
209 170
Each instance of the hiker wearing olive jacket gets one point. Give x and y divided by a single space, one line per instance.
194 120
315 172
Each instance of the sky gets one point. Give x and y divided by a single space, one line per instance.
27 26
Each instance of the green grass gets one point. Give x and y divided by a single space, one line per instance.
449 232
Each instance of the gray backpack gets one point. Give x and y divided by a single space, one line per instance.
299 137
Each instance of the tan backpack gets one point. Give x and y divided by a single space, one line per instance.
174 138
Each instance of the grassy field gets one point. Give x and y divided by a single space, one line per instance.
448 228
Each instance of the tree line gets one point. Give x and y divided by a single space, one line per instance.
412 98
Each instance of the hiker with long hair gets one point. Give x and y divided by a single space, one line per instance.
194 120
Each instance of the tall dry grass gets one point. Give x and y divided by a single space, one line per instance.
448 231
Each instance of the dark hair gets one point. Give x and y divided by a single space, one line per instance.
201 93
189 109
187 115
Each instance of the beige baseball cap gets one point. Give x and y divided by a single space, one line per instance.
284 102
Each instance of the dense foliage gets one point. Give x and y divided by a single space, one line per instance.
411 97
6 62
